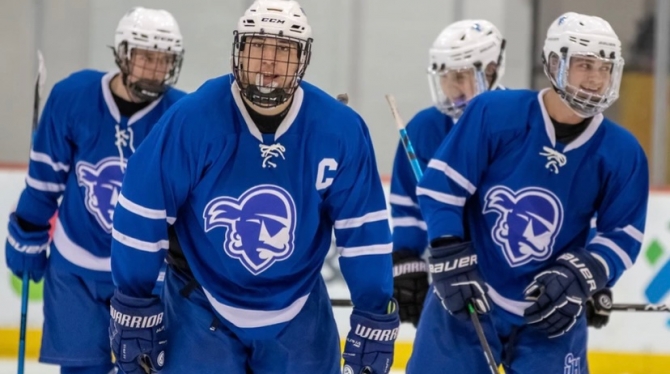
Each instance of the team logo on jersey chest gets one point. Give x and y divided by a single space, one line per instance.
528 222
102 182
260 225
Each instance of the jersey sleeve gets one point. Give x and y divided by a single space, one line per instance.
409 228
50 162
621 216
156 183
454 172
356 205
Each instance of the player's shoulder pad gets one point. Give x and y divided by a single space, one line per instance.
618 139
504 110
502 98
429 122
172 95
79 83
203 106
334 117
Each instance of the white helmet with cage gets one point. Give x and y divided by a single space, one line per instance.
153 30
588 40
286 22
473 48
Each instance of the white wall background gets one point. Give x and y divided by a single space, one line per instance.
366 48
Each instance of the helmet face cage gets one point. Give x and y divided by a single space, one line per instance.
585 102
268 68
162 66
449 87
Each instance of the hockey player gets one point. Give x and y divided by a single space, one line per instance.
254 169
91 124
507 201
456 59
466 59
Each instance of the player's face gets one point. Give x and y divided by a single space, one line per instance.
150 65
591 75
270 62
459 85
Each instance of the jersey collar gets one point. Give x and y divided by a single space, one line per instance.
285 123
551 132
111 105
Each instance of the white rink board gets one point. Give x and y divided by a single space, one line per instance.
627 332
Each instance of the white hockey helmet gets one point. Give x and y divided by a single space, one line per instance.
465 45
280 19
152 30
585 37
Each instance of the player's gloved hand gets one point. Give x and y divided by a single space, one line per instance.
410 284
456 279
26 249
598 308
369 345
560 292
137 333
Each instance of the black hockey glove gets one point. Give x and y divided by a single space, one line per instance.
456 279
560 292
410 284
137 333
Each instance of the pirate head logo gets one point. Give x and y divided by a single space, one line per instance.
260 225
102 182
528 222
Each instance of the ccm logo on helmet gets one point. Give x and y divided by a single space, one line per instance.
272 20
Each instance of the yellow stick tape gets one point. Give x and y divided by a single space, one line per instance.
599 362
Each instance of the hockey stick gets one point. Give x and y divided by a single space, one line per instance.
341 302
639 307
39 83
418 173
615 307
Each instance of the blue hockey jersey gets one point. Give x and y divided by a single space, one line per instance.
79 153
525 198
426 131
253 212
